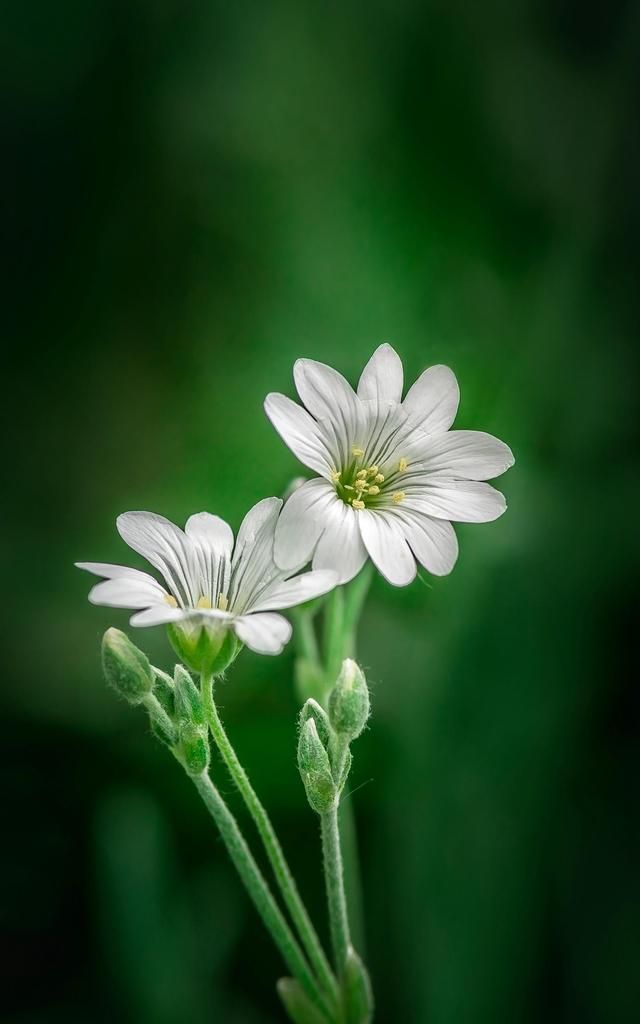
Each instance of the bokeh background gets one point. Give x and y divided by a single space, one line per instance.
198 193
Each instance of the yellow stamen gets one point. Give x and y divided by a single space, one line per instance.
223 602
379 478
357 504
203 602
361 474
397 497
171 601
358 452
335 475
348 487
372 471
373 489
402 465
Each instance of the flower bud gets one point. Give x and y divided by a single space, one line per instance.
164 690
311 709
125 667
315 769
349 701
204 646
188 702
193 747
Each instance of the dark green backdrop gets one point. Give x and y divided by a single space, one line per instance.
197 194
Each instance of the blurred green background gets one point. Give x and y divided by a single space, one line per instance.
198 193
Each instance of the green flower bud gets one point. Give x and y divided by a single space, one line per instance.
315 769
296 1002
193 747
311 709
349 701
163 689
356 989
204 647
125 667
188 702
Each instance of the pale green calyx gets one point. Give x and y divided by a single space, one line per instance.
349 701
315 769
126 668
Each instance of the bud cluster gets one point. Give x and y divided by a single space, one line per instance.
174 705
324 758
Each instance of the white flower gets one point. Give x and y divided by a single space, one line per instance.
209 581
392 475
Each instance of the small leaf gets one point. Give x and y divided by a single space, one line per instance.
297 1003
356 988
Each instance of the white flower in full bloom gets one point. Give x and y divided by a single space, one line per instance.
211 584
392 476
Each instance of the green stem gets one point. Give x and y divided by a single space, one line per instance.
334 881
306 635
334 638
281 870
258 889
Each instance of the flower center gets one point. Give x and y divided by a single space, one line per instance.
363 486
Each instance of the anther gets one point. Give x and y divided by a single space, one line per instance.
335 475
402 465
397 497
223 602
171 601
361 474
357 504
372 471
379 478
373 489
203 602
358 452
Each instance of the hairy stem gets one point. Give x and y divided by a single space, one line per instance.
273 849
334 881
259 891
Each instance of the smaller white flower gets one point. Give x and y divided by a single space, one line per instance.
211 584
392 475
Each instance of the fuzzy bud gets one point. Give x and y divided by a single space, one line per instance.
126 668
193 747
349 701
315 769
188 702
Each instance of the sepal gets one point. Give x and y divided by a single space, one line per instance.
204 646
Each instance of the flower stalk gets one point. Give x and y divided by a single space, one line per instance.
271 843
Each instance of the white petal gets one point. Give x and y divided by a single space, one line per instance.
159 615
301 522
165 546
299 431
253 568
115 572
340 547
296 590
125 592
387 547
211 545
463 501
467 454
433 541
432 402
326 393
211 532
382 377
264 633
